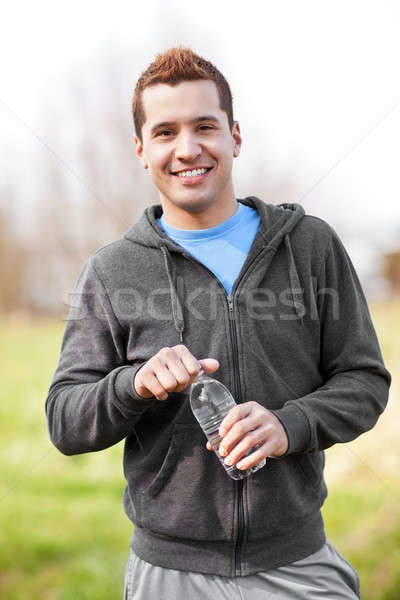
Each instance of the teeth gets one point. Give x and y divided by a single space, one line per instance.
192 173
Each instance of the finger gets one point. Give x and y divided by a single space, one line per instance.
209 365
169 369
163 373
180 373
254 458
237 432
235 414
249 441
166 380
185 367
209 447
192 365
151 383
186 358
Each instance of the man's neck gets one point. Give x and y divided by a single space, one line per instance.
206 219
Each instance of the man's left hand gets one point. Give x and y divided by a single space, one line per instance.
245 426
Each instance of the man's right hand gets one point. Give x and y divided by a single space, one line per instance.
170 370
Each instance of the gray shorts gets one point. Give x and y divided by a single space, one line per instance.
324 574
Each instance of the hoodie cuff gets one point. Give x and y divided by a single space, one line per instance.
297 428
127 399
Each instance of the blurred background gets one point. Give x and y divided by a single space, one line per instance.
318 102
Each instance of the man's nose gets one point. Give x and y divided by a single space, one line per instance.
187 147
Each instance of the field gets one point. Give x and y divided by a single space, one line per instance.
63 532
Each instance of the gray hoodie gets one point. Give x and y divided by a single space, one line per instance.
295 335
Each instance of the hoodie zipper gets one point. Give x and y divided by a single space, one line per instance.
236 384
240 482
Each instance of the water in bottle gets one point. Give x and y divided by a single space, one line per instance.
211 401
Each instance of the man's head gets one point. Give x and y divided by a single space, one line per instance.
172 67
182 109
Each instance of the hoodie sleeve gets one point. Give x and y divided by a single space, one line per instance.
92 403
355 391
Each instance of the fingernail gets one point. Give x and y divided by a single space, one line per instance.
222 451
228 461
240 465
222 432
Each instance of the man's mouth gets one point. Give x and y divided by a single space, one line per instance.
192 175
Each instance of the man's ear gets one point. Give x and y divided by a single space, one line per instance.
237 139
139 152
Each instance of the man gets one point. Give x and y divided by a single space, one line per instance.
264 298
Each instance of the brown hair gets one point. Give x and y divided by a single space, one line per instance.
172 67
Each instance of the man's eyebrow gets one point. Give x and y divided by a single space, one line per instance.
206 118
157 126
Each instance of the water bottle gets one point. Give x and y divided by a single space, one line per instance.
211 401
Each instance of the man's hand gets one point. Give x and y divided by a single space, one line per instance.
170 370
245 426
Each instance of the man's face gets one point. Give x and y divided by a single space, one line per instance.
185 129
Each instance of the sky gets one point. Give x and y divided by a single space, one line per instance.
314 85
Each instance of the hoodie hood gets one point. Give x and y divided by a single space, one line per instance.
277 222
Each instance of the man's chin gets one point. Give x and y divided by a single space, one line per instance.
194 205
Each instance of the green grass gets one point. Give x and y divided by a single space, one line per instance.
63 531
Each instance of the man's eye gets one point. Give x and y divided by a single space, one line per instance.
164 133
206 127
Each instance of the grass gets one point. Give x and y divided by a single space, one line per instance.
63 531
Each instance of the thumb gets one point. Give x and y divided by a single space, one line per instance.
209 365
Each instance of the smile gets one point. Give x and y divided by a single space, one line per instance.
194 175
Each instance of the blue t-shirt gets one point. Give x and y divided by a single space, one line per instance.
223 248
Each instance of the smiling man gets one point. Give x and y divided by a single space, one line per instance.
289 333
189 145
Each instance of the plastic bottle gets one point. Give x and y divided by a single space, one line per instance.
211 401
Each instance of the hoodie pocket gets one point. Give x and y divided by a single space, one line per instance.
312 465
191 495
283 492
168 465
